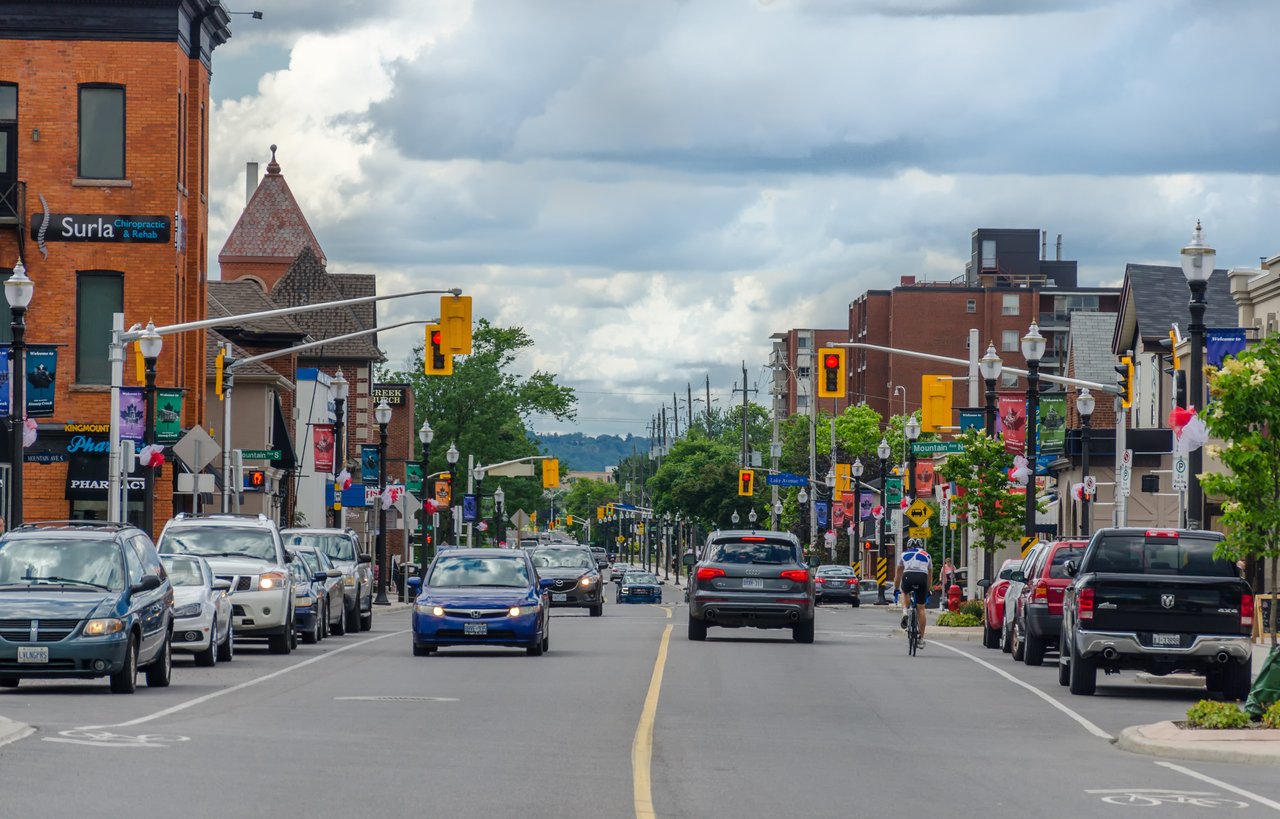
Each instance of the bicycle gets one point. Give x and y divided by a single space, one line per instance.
913 624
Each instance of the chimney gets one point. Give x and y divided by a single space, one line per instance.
250 180
1044 245
1059 257
907 281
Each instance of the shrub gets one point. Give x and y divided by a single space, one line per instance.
974 608
1271 717
1210 714
958 618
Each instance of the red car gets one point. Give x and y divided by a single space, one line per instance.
1037 613
995 603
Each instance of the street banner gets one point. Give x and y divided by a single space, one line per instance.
837 514
168 427
1011 418
369 463
866 500
1052 427
323 445
893 490
850 504
132 414
924 476
1222 342
4 381
470 509
413 477
42 374
821 508
972 419
443 496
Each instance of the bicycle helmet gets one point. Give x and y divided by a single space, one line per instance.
915 543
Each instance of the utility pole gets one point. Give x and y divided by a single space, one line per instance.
746 391
708 409
675 416
689 395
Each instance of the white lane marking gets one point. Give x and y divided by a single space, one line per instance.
1088 726
1261 800
182 706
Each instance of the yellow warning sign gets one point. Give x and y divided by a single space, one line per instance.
1028 542
921 532
919 512
882 570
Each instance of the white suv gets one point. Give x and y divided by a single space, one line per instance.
245 550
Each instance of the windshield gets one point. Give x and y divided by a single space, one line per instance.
219 541
57 561
835 571
562 559
183 571
1139 554
461 572
758 551
338 547
642 579
309 558
1007 571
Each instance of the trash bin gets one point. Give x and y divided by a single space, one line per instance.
407 570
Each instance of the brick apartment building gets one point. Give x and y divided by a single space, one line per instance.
103 195
793 360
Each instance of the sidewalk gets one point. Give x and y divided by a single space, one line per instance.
970 634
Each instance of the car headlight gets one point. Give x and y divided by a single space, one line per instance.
428 608
271 580
587 581
348 580
189 610
514 611
103 627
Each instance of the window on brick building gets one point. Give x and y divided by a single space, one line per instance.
1010 304
101 132
8 149
1009 341
971 305
1009 379
99 294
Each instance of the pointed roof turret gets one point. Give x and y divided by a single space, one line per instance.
272 227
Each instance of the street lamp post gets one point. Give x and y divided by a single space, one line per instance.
802 498
498 497
751 516
1084 406
451 456
18 289
1197 265
340 389
425 434
883 451
151 345
477 474
912 431
855 540
734 517
1032 350
990 366
382 414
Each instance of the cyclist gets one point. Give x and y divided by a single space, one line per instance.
913 573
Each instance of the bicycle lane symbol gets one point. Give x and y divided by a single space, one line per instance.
1153 797
101 738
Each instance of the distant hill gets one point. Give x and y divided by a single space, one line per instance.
591 453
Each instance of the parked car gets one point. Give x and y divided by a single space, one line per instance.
1156 600
308 603
201 610
617 570
757 579
481 597
836 584
640 587
575 581
84 599
1037 614
869 588
993 622
1011 594
245 550
328 581
343 548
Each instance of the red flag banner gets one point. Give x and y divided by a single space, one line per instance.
1012 417
837 514
924 476
322 435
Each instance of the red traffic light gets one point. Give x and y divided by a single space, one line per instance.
436 337
831 362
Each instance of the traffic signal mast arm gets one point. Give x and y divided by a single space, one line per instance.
240 362
962 362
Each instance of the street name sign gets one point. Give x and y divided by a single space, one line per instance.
261 454
785 479
937 448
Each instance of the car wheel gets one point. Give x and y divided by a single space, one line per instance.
546 640
534 650
1082 676
281 643
421 651
125 681
1237 679
802 632
340 628
227 651
366 621
1016 646
323 626
209 657
1005 645
160 670
597 610
857 604
990 637
697 630
1032 649
8 682
312 636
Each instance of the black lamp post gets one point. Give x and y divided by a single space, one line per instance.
340 389
990 366
883 451
151 345
1197 265
478 474
425 434
1084 406
802 498
911 430
382 414
451 456
499 497
855 539
18 289
1032 350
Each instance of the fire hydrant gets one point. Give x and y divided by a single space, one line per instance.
953 597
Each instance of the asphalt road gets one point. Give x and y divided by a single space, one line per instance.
746 724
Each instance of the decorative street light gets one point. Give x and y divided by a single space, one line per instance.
340 389
1084 406
856 470
802 498
382 414
151 345
734 517
830 479
425 434
1197 265
912 431
477 474
451 457
883 451
18 289
989 366
499 523
1032 350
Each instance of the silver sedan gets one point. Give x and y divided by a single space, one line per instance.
202 621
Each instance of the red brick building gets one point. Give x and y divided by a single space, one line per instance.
104 122
793 361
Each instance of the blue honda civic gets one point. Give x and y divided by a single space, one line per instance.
480 597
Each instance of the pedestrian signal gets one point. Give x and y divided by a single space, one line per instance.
746 482
436 359
831 380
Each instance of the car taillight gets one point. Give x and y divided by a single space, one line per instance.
708 573
798 575
1162 533
853 581
1086 604
1039 592
1246 609
819 580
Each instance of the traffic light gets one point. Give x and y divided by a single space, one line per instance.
936 403
455 321
599 514
831 377
746 482
1125 372
436 359
219 365
551 473
568 520
1173 348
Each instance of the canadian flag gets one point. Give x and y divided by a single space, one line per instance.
390 495
430 506
343 480
151 455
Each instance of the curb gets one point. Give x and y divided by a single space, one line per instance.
1256 752
1181 680
394 607
11 731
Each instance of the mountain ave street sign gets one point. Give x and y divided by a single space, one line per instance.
936 448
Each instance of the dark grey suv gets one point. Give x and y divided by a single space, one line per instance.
752 579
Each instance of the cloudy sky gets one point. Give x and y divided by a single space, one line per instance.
653 187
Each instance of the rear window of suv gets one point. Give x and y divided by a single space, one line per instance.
1180 555
1058 568
752 551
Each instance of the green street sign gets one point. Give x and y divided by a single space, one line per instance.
260 454
936 448
893 490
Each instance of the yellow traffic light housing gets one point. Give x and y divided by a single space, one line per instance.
436 358
1125 370
936 406
746 482
455 321
550 473
832 378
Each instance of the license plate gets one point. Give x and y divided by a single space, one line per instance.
33 654
1174 640
559 598
475 629
752 583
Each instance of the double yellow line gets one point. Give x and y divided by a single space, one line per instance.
642 744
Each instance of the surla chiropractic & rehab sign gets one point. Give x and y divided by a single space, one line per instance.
95 227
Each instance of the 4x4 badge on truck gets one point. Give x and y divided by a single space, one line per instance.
1166 600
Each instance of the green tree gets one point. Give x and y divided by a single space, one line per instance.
1245 415
984 498
699 478
585 495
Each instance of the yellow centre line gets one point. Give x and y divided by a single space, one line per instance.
642 745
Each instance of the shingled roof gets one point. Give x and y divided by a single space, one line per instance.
272 225
242 296
1155 296
307 282
213 339
1089 346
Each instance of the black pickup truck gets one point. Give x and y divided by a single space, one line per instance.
1156 600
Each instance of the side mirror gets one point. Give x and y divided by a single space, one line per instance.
1018 577
1071 568
222 585
320 576
415 583
984 583
288 557
814 562
689 560
545 582
334 573
148 583
363 558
